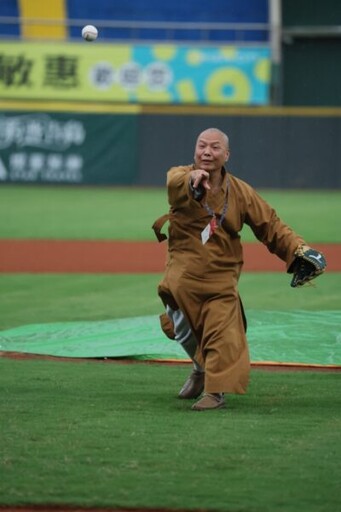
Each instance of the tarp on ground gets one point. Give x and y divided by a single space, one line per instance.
294 337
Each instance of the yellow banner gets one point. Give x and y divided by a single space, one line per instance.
129 73
47 11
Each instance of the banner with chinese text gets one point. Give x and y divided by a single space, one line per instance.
67 148
155 73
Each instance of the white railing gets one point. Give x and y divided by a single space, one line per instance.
235 32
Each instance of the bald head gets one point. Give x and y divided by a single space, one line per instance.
215 132
211 150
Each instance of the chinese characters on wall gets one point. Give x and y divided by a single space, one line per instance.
36 147
154 73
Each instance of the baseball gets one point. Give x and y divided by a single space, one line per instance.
89 33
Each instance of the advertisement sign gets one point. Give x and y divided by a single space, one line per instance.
155 73
67 148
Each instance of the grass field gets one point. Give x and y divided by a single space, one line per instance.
128 214
103 434
110 435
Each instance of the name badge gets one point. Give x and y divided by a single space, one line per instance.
209 230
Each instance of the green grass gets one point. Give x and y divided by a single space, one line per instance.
97 434
128 213
80 213
40 298
271 291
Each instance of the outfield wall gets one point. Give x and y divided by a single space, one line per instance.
76 143
274 148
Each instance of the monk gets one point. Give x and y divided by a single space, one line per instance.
208 208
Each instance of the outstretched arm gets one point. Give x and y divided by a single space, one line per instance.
278 237
304 262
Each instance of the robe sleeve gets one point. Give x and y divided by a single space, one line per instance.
278 237
178 187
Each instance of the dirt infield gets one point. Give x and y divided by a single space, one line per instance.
265 366
85 256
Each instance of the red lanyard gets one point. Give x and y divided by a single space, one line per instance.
225 205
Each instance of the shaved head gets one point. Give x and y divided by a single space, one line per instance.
211 150
221 135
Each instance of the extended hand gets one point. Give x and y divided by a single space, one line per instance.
199 176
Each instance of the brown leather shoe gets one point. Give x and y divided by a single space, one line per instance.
209 401
193 386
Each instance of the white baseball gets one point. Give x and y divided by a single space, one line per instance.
89 33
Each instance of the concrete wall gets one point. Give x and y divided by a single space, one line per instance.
274 151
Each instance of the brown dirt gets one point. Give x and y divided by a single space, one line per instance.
184 362
124 257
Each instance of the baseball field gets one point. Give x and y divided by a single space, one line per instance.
110 433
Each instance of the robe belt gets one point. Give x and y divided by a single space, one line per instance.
158 225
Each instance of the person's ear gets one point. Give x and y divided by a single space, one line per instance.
227 156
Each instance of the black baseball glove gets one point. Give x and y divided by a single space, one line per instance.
307 265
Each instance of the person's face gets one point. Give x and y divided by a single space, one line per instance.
211 152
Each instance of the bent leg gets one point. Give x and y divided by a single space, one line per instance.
184 335
194 385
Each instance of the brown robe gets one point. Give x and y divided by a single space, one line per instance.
202 279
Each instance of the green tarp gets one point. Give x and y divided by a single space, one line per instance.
304 337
